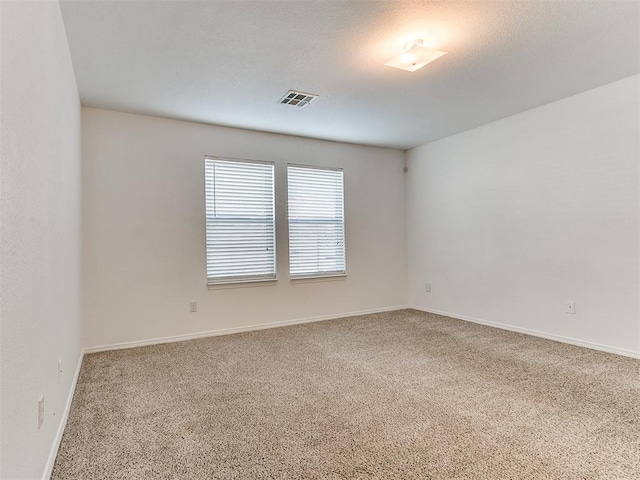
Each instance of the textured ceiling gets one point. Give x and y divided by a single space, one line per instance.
229 62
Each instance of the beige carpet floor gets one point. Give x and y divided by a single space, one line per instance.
400 395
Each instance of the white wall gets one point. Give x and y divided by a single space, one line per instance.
509 220
39 234
143 217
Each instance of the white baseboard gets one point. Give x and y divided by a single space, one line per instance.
229 331
535 333
48 469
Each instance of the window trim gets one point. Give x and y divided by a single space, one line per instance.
319 278
241 160
243 281
316 167
327 276
266 282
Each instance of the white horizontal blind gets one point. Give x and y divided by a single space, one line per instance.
240 220
316 222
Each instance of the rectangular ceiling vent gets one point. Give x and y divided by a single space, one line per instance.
297 99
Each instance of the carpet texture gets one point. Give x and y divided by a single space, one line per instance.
398 395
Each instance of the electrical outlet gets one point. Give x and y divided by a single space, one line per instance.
427 287
193 307
59 369
40 411
571 307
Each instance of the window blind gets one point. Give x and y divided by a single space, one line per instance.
316 222
240 220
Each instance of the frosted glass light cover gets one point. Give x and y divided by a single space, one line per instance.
414 58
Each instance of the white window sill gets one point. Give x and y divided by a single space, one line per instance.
266 282
319 278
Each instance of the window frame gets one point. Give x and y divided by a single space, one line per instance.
212 282
320 275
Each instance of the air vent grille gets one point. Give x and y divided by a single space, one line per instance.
297 99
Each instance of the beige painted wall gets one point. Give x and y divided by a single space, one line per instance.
510 220
144 247
40 289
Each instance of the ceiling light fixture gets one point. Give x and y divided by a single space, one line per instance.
415 56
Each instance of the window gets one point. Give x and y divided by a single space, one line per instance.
240 221
316 222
